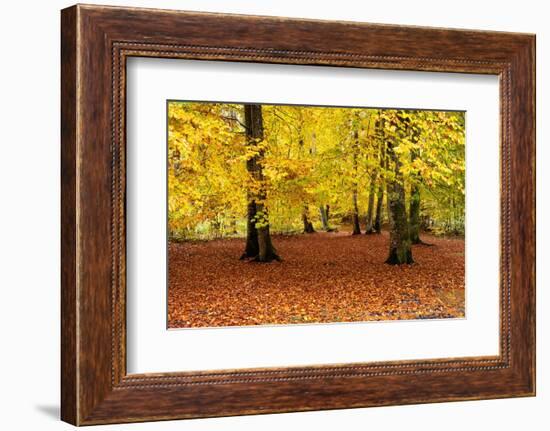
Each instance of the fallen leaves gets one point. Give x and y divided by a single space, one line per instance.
324 277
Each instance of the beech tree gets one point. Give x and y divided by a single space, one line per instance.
381 185
414 211
258 239
324 211
355 187
375 166
308 225
400 250
248 171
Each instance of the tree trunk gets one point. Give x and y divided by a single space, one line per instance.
414 215
308 225
324 211
414 206
355 215
233 226
370 209
377 227
251 249
324 219
258 238
266 252
355 208
400 244
379 200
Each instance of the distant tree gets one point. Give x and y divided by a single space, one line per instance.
355 207
324 212
375 162
414 212
380 194
308 225
228 178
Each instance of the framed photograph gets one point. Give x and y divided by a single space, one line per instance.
264 214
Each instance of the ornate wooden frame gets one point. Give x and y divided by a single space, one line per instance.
95 42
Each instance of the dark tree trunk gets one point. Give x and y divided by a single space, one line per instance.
355 215
258 238
251 249
355 207
266 252
400 244
308 225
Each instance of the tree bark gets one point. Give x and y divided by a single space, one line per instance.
370 208
252 248
324 212
323 215
414 215
377 225
355 208
400 244
233 226
308 225
258 238
355 215
414 206
379 200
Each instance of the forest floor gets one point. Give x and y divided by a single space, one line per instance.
323 277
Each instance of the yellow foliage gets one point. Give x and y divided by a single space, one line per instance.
311 156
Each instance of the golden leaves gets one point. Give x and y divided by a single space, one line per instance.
312 157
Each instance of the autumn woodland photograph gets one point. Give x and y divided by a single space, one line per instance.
289 214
